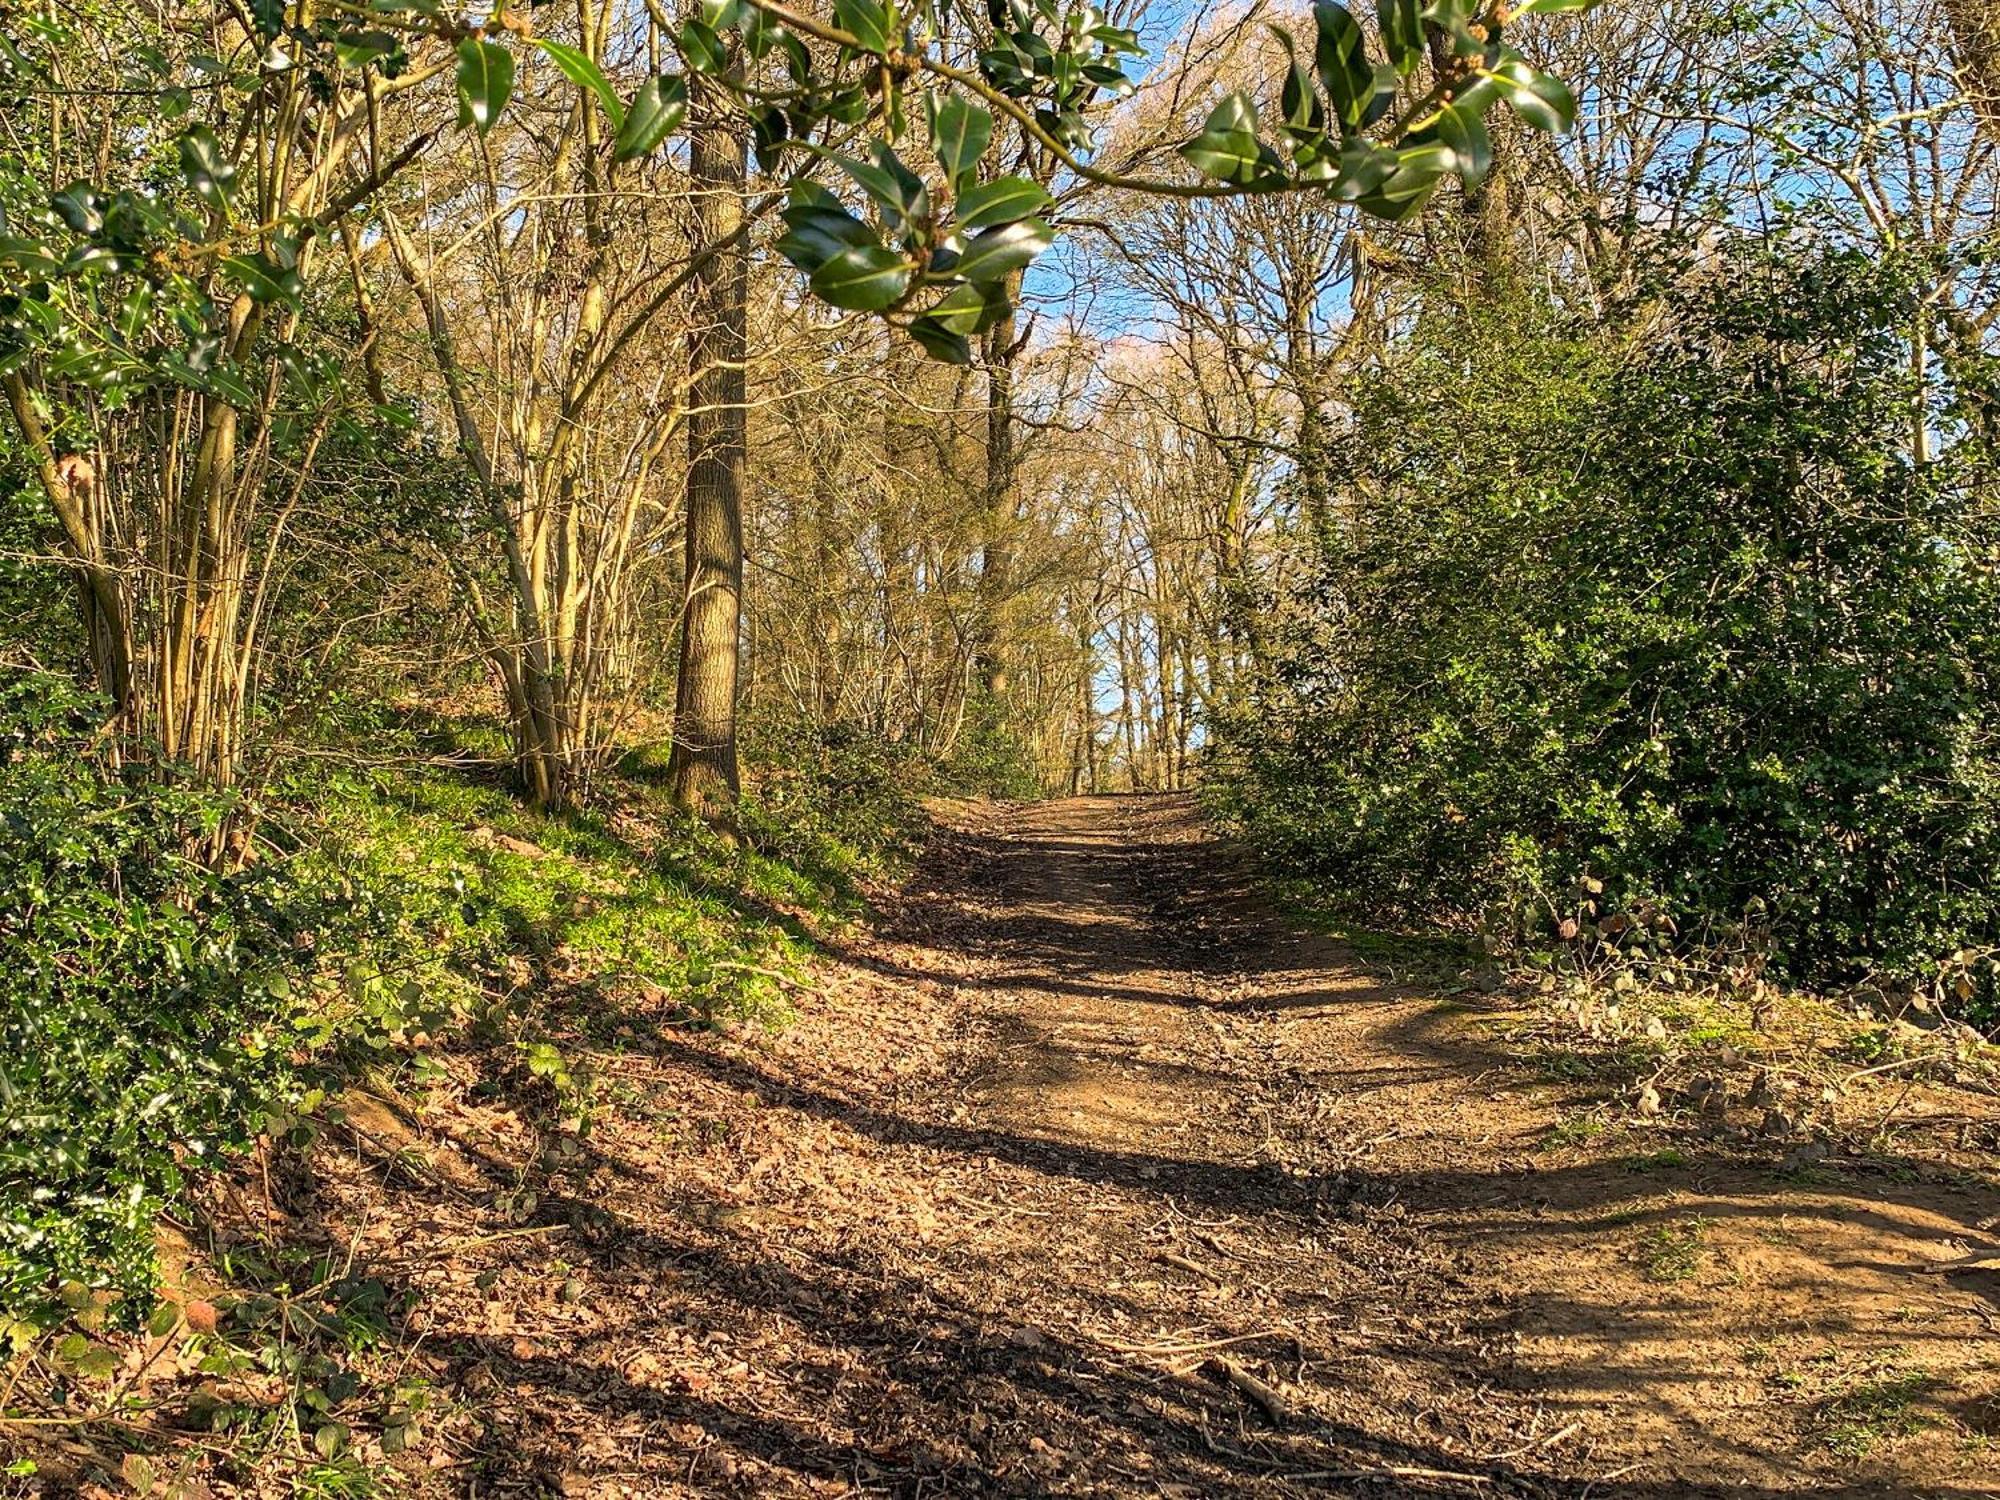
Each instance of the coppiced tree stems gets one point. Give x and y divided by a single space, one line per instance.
69 486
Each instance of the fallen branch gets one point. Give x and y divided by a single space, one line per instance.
1201 1346
1393 1471
1978 1260
1266 1396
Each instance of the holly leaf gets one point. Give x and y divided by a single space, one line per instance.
81 207
264 279
1402 195
1541 100
1402 32
209 174
485 83
868 22
862 278
901 193
1001 201
577 67
959 135
1228 149
819 227
357 49
1341 59
658 106
998 252
969 308
700 46
940 343
35 259
1464 131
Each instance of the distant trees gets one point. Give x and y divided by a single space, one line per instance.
176 356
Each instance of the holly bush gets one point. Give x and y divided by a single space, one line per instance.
1663 610
147 1003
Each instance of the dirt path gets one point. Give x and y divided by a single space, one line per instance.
1252 1142
1086 1177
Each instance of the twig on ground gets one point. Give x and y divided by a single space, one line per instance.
1541 1442
449 1246
1173 1258
1891 1067
1606 1478
1261 1392
776 976
1201 1346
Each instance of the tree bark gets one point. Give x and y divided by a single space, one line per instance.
996 558
1975 34
702 770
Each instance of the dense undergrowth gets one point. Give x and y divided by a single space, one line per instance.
1656 644
166 1012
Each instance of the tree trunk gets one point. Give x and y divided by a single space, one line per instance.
702 769
107 617
1975 35
996 558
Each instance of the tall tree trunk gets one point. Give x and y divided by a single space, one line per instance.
1486 210
1083 775
702 769
996 558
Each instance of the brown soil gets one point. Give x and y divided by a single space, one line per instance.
1084 1175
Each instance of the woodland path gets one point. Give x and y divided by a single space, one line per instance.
1085 1175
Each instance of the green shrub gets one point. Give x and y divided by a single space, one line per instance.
990 758
160 1014
156 1014
833 796
1664 606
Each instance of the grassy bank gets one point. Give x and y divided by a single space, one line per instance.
168 1018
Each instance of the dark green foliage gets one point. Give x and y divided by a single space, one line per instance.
162 1010
832 798
1666 606
35 619
148 1002
989 757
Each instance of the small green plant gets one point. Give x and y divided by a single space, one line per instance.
1573 1131
1667 1160
162 1013
1854 1422
1674 1252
